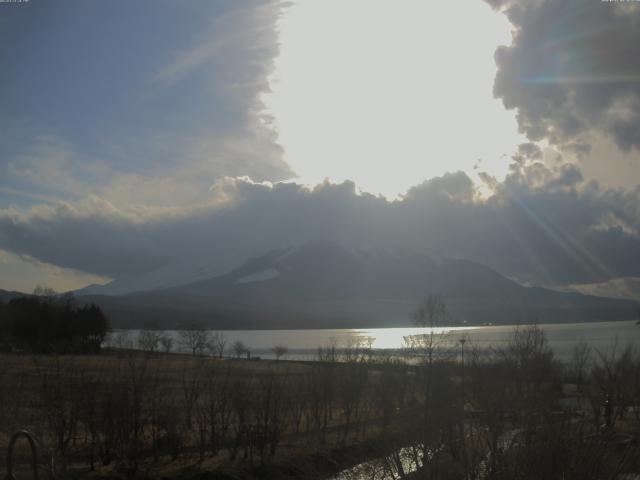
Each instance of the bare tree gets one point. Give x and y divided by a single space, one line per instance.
269 413
59 379
328 353
41 291
612 373
577 366
194 338
218 344
431 313
148 340
166 342
351 384
239 348
279 351
121 340
530 357
357 349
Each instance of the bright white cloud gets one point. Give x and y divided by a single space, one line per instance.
388 93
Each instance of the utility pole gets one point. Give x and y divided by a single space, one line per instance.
463 434
462 342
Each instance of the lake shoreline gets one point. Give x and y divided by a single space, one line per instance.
303 344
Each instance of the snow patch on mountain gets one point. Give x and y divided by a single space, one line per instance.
289 251
261 276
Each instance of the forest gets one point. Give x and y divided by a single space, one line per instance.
51 324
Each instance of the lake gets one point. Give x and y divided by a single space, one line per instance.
303 344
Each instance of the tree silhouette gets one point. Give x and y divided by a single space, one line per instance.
279 351
52 324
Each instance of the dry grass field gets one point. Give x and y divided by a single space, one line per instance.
510 413
130 413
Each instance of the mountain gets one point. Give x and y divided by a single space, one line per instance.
323 285
177 273
7 296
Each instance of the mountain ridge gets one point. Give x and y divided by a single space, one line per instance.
324 285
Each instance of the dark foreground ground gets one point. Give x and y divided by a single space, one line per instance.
131 414
512 413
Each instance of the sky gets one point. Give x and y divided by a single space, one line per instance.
160 138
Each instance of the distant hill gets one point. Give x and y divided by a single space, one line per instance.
6 296
322 285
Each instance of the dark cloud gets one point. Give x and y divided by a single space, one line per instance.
540 225
579 149
573 67
529 151
91 238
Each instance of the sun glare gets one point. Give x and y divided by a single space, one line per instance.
390 93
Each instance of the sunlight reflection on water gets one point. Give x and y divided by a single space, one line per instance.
390 338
